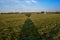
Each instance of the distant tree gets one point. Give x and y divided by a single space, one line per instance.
28 14
57 12
42 12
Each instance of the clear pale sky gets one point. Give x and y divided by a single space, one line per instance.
29 5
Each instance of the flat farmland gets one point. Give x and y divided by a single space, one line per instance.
47 25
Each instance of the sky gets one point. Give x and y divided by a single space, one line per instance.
29 5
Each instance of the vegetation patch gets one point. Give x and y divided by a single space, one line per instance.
29 32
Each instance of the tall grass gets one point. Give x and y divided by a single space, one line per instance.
48 25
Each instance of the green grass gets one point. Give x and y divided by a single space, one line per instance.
12 20
45 23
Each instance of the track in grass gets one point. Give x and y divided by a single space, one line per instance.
29 31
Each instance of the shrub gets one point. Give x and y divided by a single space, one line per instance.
28 14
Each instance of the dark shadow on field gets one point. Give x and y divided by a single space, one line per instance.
29 31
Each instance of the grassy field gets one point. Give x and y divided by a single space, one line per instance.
47 25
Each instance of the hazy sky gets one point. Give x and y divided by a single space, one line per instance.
29 5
